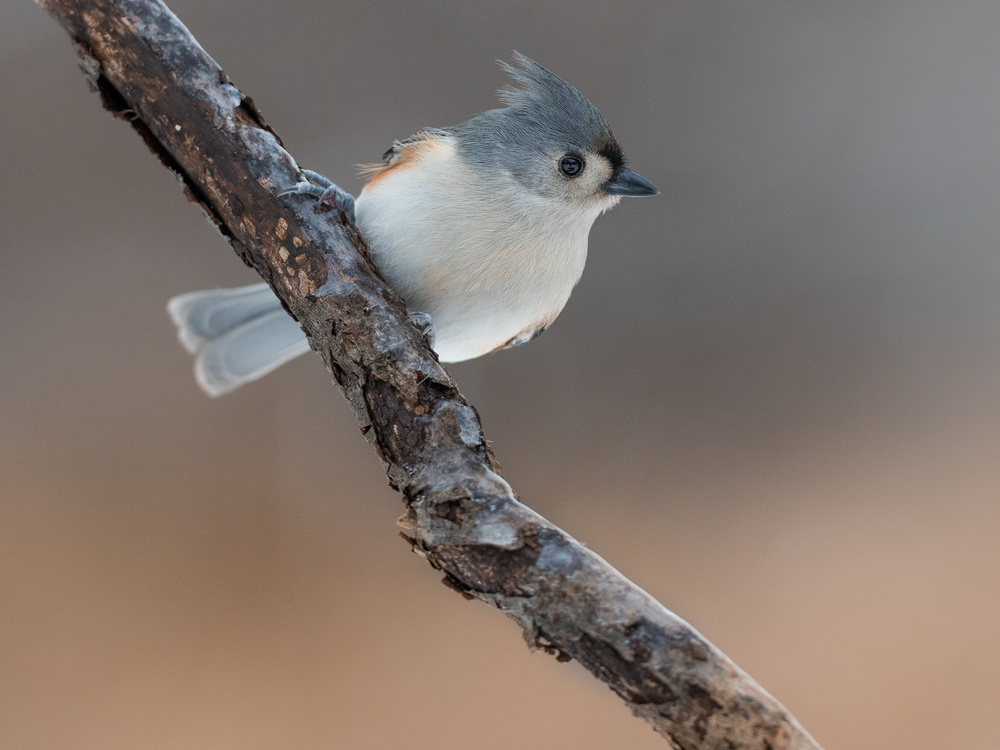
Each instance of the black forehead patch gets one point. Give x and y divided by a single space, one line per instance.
610 150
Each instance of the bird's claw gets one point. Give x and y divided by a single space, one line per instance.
422 322
324 191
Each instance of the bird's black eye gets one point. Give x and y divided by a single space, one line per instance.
571 166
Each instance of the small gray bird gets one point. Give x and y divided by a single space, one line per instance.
481 227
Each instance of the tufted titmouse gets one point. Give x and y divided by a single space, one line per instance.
481 227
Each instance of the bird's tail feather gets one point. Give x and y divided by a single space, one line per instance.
237 335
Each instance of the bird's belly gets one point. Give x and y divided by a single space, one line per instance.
476 313
473 336
485 276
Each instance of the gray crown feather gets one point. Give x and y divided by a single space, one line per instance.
542 118
553 105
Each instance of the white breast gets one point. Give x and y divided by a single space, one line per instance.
487 263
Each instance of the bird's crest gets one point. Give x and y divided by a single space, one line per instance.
556 107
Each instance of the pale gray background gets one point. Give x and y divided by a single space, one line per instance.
772 401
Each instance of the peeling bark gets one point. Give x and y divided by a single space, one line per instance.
460 513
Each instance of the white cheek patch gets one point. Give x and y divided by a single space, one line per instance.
596 173
603 169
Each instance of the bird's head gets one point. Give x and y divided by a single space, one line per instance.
551 141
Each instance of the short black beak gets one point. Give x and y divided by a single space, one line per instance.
630 184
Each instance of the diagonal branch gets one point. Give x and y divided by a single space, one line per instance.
460 514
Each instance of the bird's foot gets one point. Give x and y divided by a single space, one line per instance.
423 323
324 191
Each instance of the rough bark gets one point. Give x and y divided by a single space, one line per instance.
460 514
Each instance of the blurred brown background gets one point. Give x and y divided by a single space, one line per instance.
772 401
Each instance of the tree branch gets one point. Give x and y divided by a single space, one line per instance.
461 515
